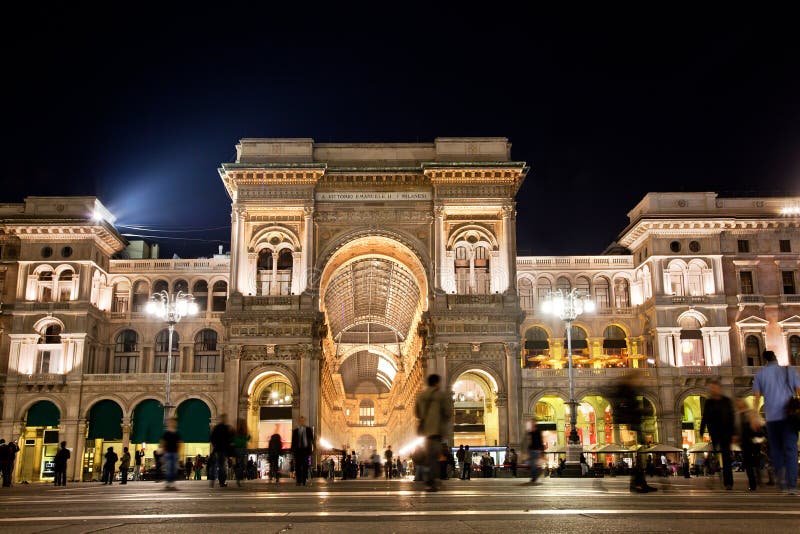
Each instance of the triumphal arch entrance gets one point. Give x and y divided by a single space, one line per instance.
358 269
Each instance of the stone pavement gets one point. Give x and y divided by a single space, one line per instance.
379 506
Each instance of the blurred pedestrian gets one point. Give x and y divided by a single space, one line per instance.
240 440
535 450
627 410
750 449
719 419
512 462
221 438
124 466
188 470
778 385
274 450
388 457
170 444
60 464
434 410
302 449
466 465
138 456
5 463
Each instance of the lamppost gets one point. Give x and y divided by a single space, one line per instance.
171 309
568 305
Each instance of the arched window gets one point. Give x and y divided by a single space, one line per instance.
794 350
580 345
695 275
752 350
366 413
181 285
46 276
537 348
141 294
219 297
462 270
278 393
206 355
483 283
525 291
161 351
126 357
285 259
563 284
582 284
615 346
602 297
160 285
65 285
676 285
45 286
200 294
690 352
264 259
121 297
52 334
622 293
543 288
66 275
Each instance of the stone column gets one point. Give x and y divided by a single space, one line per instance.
241 252
68 431
297 269
251 283
126 431
308 246
501 405
507 257
273 287
235 237
75 465
440 242
513 381
230 400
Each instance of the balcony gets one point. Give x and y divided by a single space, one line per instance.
607 372
153 378
575 262
790 299
43 379
689 299
615 311
170 266
47 306
750 300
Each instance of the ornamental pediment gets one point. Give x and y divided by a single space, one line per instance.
790 322
752 322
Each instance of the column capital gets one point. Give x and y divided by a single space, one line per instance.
308 211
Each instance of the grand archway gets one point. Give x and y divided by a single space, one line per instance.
373 291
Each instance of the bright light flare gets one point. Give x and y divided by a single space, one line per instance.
790 210
325 444
411 447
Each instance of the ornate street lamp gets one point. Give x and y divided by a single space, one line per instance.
568 305
170 309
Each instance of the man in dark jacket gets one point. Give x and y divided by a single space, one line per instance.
535 450
60 465
275 448
221 438
720 420
627 410
302 448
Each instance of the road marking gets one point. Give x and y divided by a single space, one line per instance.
395 513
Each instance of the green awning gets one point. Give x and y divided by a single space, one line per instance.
578 344
105 421
147 422
43 413
615 344
536 344
194 421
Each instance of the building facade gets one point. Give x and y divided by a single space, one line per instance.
357 269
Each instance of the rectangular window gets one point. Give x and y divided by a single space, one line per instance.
787 277
743 245
43 362
206 364
125 364
746 283
785 245
160 364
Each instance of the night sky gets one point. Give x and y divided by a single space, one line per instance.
140 106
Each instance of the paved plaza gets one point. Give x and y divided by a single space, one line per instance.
480 505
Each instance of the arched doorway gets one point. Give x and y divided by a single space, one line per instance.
690 422
595 424
147 426
271 409
475 417
39 442
550 415
104 430
194 426
373 291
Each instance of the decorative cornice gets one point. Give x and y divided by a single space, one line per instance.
635 234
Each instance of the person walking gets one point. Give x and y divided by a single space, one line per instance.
170 444
719 419
5 463
627 410
108 467
466 464
535 450
221 438
434 410
240 440
460 457
274 450
778 385
750 450
124 466
388 464
188 472
198 467
302 448
512 462
60 464
138 456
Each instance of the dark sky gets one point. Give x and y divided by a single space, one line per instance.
140 105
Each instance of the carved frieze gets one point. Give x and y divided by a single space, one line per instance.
373 215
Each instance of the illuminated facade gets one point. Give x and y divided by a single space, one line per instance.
356 269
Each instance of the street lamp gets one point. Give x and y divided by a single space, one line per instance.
568 305
171 309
